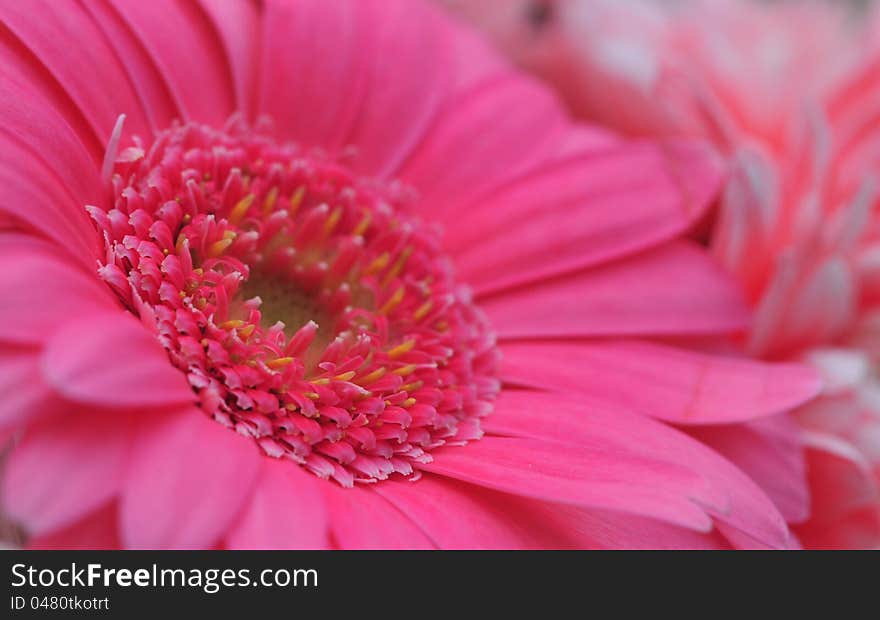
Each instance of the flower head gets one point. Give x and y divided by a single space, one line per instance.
379 293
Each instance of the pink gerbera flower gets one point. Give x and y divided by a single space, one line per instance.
790 92
340 278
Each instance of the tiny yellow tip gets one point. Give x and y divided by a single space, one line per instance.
398 265
404 347
279 362
270 200
362 226
423 310
379 263
240 209
404 371
412 387
373 376
393 301
332 221
218 247
297 198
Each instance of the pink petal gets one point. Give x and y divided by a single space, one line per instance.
98 530
586 475
286 511
674 289
770 453
460 516
188 480
49 40
677 385
612 200
28 313
148 82
313 68
63 468
37 122
727 494
237 25
182 43
36 143
450 168
361 519
45 208
22 71
110 359
613 530
25 394
409 58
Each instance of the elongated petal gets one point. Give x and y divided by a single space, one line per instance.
461 516
29 313
410 61
769 451
361 519
111 360
729 496
194 66
286 511
188 479
154 92
313 97
48 39
674 289
592 475
25 393
238 25
449 167
676 385
456 515
63 468
97 531
44 146
611 201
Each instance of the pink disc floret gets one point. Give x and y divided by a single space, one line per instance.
307 306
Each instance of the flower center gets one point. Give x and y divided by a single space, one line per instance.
309 309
